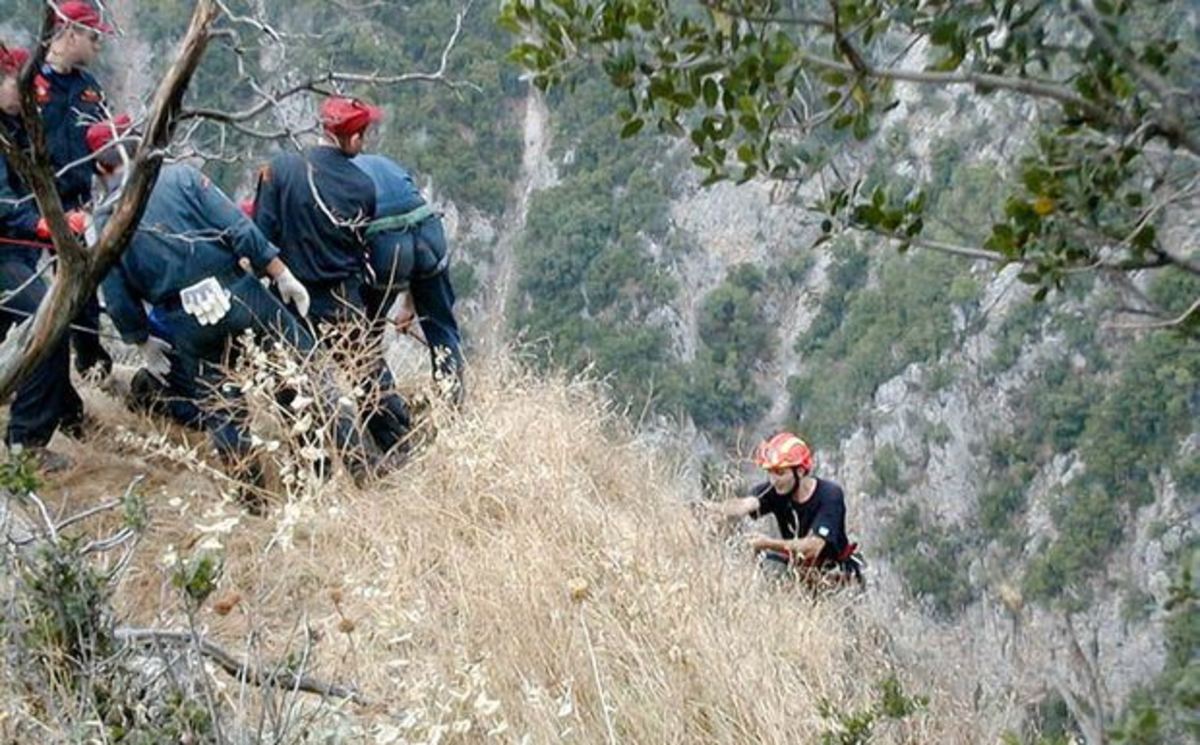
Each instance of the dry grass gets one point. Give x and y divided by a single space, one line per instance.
532 573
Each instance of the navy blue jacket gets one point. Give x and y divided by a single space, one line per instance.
70 102
190 230
395 192
401 254
317 249
18 219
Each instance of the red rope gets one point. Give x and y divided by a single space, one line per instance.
27 244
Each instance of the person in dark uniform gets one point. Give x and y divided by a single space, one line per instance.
315 206
45 399
71 100
409 257
809 511
183 260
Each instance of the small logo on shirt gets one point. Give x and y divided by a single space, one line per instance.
91 95
823 531
41 90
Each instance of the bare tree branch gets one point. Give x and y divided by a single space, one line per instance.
1176 322
315 83
240 669
1170 120
79 271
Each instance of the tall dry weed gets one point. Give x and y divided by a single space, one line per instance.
531 574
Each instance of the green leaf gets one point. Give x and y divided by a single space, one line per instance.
834 78
632 127
869 215
944 31
671 127
862 126
711 93
1145 238
949 63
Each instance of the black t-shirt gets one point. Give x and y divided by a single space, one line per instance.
823 515
317 249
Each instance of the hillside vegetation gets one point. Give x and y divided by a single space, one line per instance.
533 573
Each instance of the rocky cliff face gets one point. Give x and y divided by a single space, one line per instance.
1009 652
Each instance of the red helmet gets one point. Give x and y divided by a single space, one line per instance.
81 13
12 59
343 117
101 133
784 450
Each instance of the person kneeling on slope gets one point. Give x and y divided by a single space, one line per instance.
810 512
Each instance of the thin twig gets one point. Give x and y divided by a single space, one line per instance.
240 669
587 637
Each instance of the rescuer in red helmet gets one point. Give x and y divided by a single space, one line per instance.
809 511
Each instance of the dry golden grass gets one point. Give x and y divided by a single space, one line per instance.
531 573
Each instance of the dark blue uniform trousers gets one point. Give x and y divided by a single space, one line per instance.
343 302
432 293
45 399
199 351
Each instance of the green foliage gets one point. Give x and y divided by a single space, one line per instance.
1165 711
886 468
736 337
587 283
736 80
1052 724
932 560
1011 336
1003 497
857 727
904 319
197 578
464 279
19 475
847 273
941 376
67 619
1150 409
1090 525
1125 424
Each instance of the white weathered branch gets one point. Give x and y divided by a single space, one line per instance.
240 669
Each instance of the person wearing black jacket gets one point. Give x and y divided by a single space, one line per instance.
810 512
315 206
45 399
185 261
71 100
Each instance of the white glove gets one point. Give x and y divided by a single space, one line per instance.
206 301
154 353
292 291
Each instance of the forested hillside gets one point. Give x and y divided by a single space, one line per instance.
1018 437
